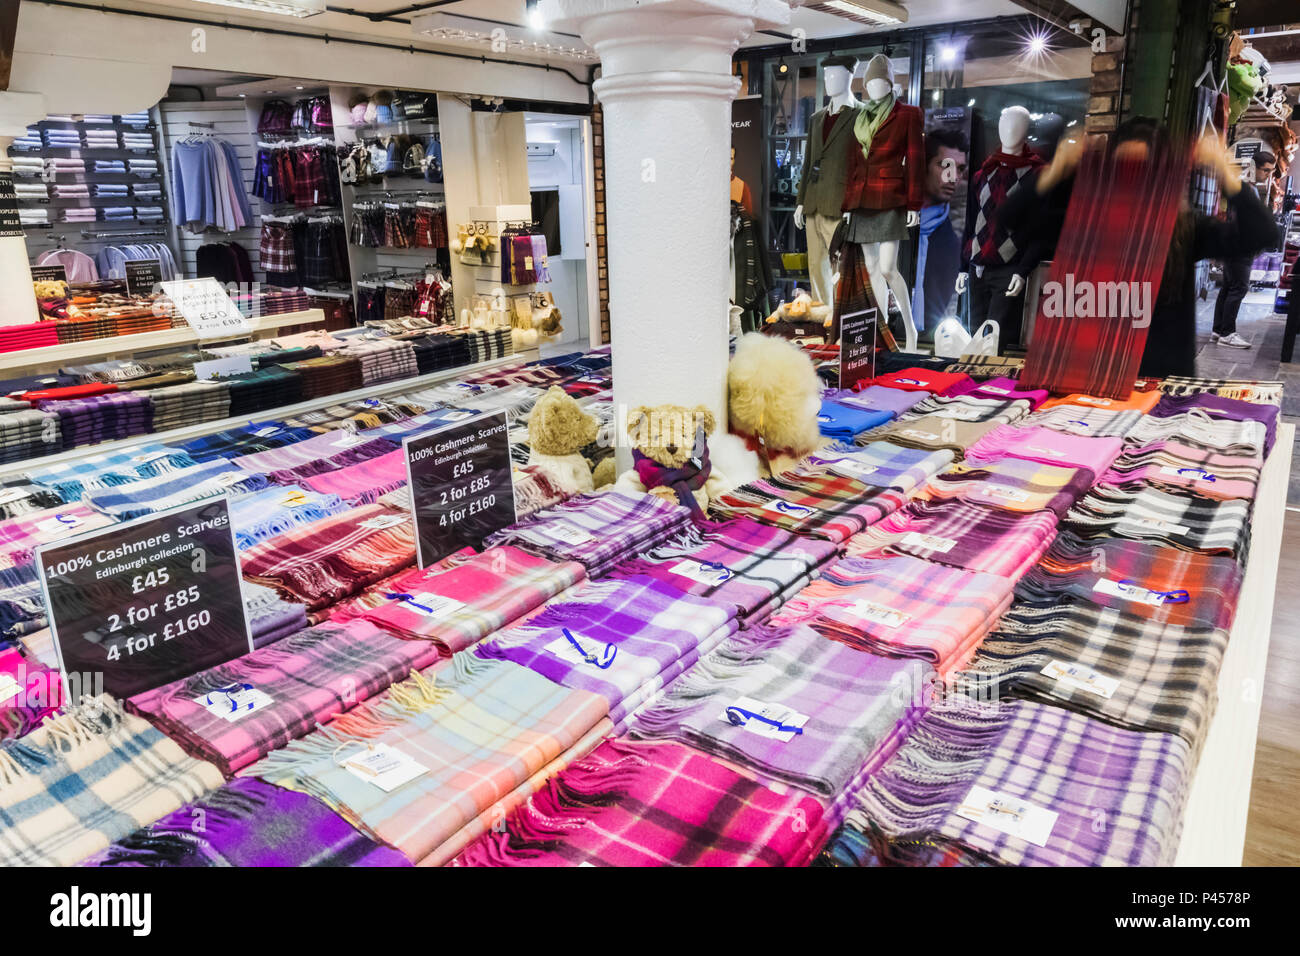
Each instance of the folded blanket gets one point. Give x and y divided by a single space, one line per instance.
86 778
462 599
620 639
238 712
249 823
465 734
902 607
632 803
1025 784
788 704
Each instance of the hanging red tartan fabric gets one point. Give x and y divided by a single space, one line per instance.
1093 315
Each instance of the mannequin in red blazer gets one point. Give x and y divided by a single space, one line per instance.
886 186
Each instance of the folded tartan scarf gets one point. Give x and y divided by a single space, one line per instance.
1217 407
970 408
823 504
1014 484
298 682
1244 437
961 535
249 823
1152 514
1136 402
29 692
877 398
1010 389
614 638
923 380
1104 663
845 422
271 511
23 498
71 481
683 481
902 607
932 433
1046 446
334 449
788 704
174 488
1082 420
327 560
464 598
1035 758
633 803
254 437
363 482
21 536
1185 469
86 778
271 618
598 530
480 727
1245 390
740 563
1141 579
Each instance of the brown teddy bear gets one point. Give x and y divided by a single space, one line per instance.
558 429
670 455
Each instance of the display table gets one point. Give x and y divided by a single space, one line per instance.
1214 822
51 357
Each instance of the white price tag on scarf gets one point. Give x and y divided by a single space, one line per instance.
1081 678
379 522
1090 400
848 467
710 574
235 702
1195 474
1008 814
919 435
570 535
930 542
1129 592
879 614
60 526
995 389
777 506
432 605
1002 491
384 766
1153 524
12 494
457 416
764 719
1045 452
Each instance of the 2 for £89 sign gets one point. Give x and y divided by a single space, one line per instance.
206 307
148 601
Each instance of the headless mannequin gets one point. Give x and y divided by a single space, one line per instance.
1013 130
836 81
881 258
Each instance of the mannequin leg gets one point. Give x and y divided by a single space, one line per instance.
819 231
882 266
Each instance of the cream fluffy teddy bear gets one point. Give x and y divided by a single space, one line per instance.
558 429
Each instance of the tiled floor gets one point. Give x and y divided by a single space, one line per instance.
1273 828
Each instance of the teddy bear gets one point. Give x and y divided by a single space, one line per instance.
558 429
773 399
670 456
802 309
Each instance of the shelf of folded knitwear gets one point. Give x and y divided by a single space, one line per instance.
175 435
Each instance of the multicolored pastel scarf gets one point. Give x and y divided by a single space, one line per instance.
684 481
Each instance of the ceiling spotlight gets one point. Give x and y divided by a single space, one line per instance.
1037 45
970 102
534 14
935 96
783 68
297 87
948 53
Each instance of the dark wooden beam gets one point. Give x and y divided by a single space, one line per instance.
8 31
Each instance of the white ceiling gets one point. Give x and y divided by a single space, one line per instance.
815 24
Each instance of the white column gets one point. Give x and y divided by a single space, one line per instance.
17 110
666 90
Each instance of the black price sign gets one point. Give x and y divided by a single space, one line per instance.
857 347
148 601
143 276
49 273
461 485
11 224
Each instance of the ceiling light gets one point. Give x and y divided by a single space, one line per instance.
243 95
948 53
935 96
506 40
1037 45
876 11
297 87
531 8
970 102
783 68
285 8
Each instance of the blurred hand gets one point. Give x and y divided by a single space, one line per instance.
1069 152
1212 154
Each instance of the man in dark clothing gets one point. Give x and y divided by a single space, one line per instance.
1236 272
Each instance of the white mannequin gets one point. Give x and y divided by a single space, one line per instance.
1013 131
836 81
881 258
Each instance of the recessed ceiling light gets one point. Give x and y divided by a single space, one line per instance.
297 87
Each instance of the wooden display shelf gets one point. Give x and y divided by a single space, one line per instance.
51 357
1214 821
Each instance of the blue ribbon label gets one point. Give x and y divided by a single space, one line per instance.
773 721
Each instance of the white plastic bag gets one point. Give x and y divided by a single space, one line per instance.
950 339
985 340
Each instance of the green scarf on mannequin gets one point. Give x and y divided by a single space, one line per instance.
871 115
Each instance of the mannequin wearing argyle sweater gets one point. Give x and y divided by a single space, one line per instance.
997 259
